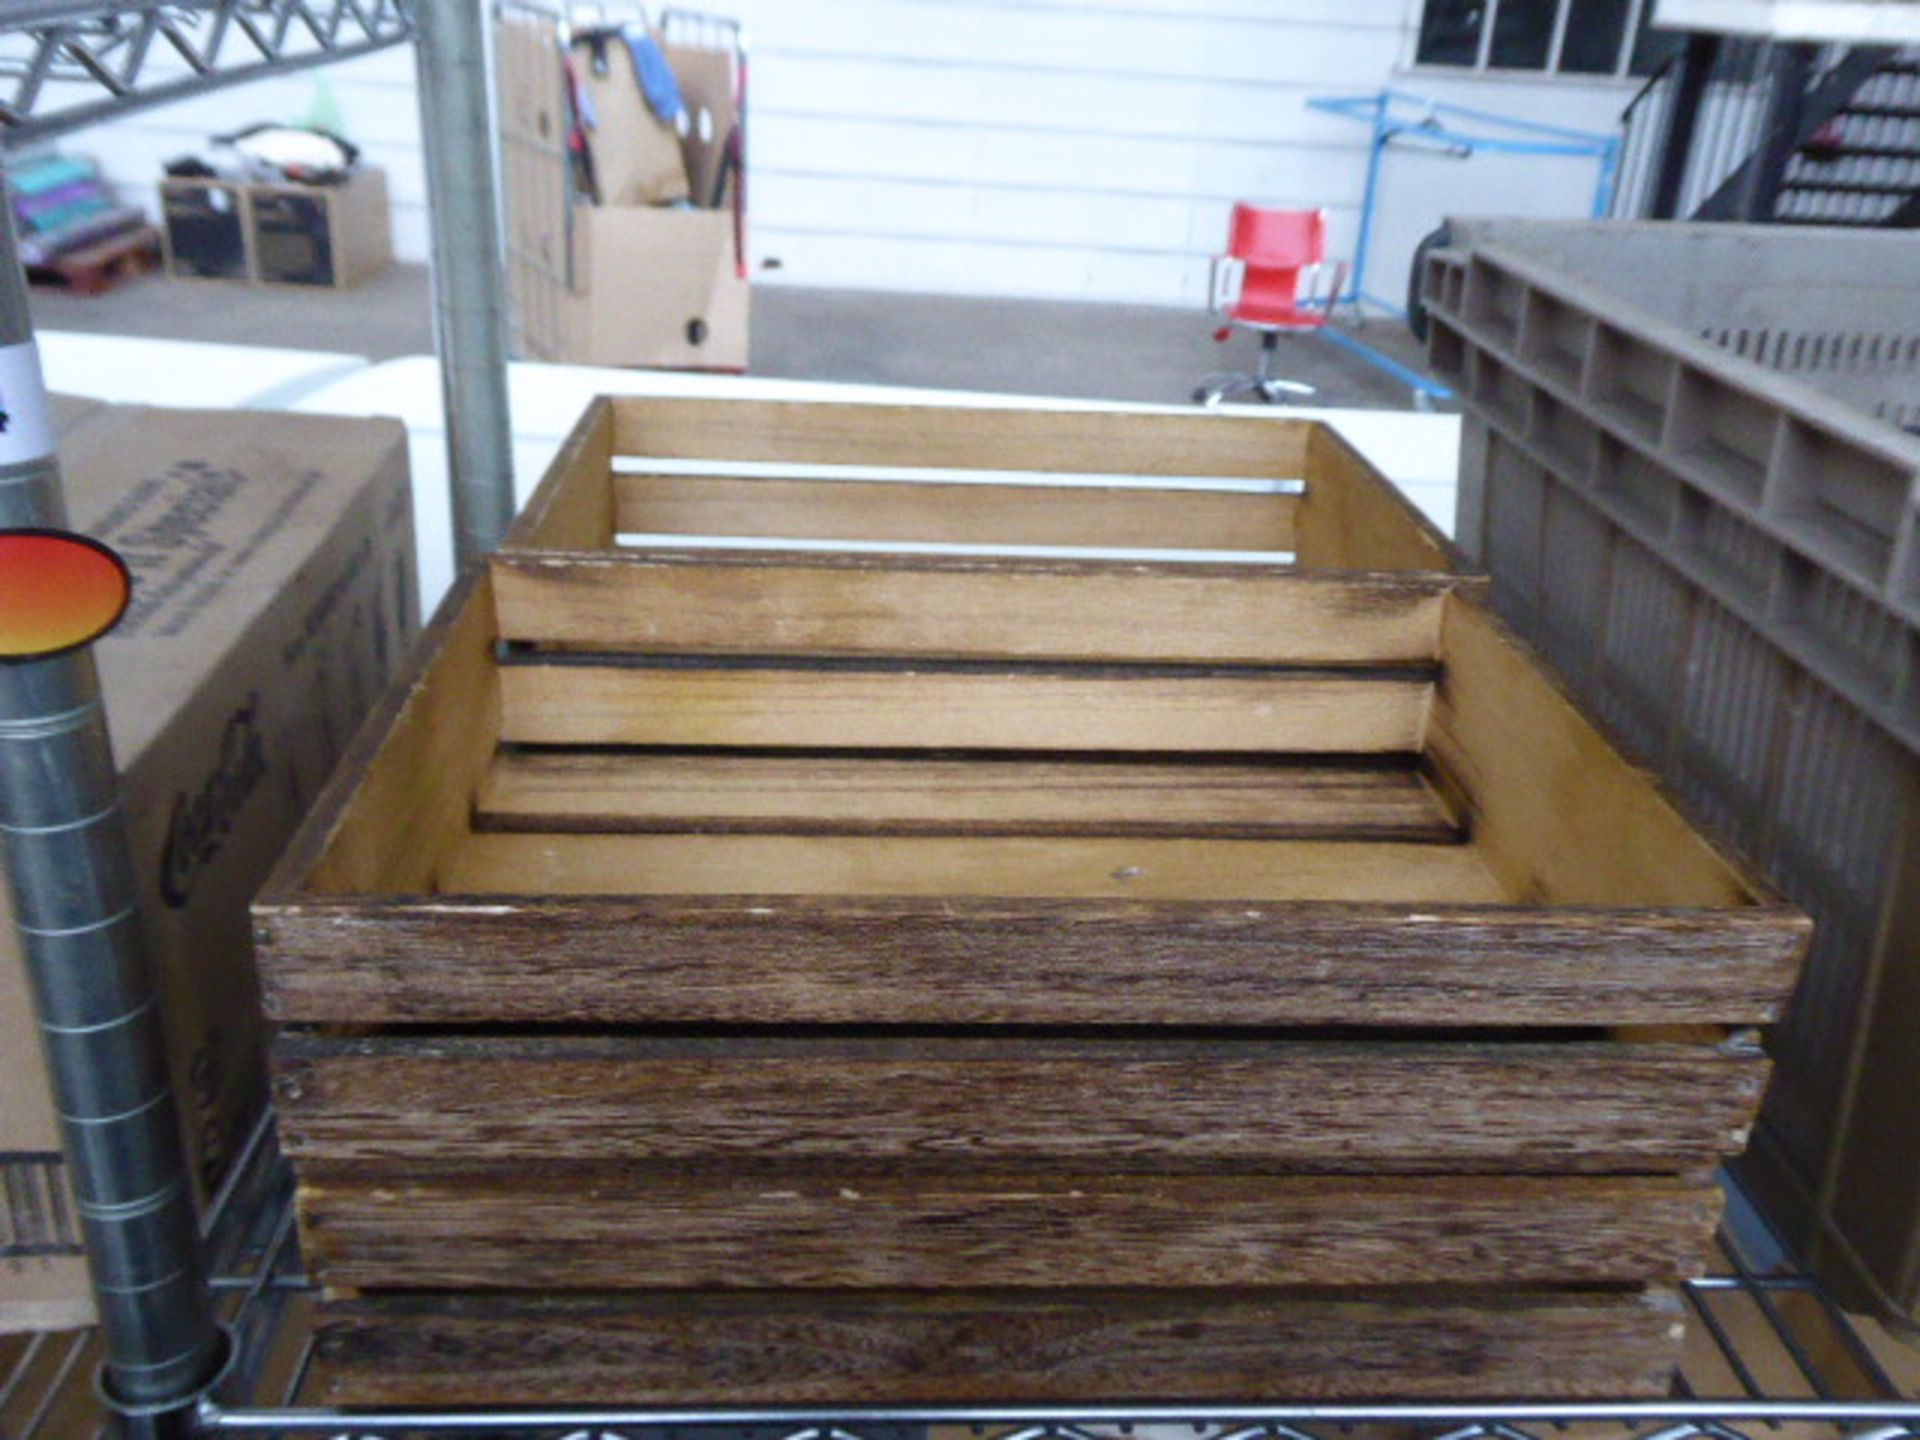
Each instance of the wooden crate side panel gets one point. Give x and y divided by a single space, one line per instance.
647 792
954 437
1010 867
398 806
1564 817
1353 518
752 1227
838 961
730 603
1105 1348
1595 1108
1167 710
1102 517
572 509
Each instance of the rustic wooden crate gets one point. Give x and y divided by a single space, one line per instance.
747 977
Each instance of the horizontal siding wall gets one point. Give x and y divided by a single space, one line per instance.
1074 149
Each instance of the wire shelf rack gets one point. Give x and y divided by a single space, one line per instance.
1772 1357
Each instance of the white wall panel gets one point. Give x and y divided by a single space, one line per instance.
1082 149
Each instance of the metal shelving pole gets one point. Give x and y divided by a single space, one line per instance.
62 831
64 840
469 276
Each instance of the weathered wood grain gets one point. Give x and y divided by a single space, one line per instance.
1307 1105
1103 517
570 1227
1564 817
835 960
1103 1347
838 795
1017 710
957 437
945 607
1010 867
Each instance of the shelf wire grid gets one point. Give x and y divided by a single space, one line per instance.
1771 1357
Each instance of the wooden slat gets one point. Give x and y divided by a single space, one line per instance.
586 704
1564 817
1353 518
1573 1106
1043 962
733 603
573 508
1009 866
1101 1348
955 514
952 437
745 794
398 803
575 1228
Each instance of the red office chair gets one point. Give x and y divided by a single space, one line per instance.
1272 279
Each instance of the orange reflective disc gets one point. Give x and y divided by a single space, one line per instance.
57 591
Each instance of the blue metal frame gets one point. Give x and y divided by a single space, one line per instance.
1396 116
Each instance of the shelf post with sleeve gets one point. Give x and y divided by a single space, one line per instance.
70 874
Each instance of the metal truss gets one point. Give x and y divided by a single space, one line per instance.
69 63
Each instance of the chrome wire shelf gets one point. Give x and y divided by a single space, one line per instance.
65 64
1772 1358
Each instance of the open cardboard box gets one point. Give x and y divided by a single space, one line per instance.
627 281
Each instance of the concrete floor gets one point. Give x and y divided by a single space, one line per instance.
1141 353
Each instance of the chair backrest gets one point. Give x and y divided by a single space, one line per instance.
1277 239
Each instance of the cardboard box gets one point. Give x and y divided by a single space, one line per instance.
274 594
330 236
319 236
621 283
203 231
657 288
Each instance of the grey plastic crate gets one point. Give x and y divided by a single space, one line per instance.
1684 466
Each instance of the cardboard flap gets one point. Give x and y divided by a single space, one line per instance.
713 111
636 156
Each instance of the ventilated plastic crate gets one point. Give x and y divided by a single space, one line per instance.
1685 467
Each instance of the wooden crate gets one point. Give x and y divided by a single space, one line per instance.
771 976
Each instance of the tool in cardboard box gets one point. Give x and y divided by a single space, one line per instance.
579 146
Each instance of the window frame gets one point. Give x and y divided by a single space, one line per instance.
1639 14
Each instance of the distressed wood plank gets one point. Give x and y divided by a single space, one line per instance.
834 960
1004 866
957 437
1564 817
749 1227
834 795
1100 517
727 602
1432 1107
1169 711
1098 1348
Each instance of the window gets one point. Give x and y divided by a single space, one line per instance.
1557 37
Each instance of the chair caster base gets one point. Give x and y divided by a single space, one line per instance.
1271 392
